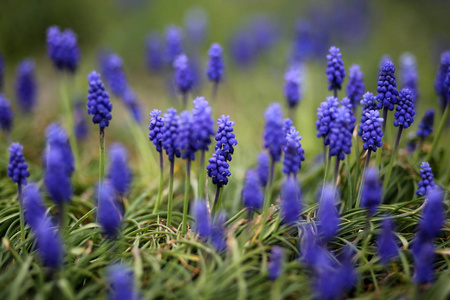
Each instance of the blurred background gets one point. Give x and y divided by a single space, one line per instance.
260 40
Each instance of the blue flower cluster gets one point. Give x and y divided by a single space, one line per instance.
275 266
153 52
34 208
119 173
293 153
426 125
111 66
368 103
156 128
170 134
183 74
325 115
62 48
252 195
371 131
439 83
186 143
355 87
173 43
426 183
408 74
335 69
371 191
340 135
108 211
121 281
131 101
291 198
292 87
387 87
17 167
263 168
6 114
405 112
202 123
273 131
328 215
225 137
202 217
386 244
26 88
98 101
215 66
218 168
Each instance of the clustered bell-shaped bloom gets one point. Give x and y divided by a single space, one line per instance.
153 52
386 244
371 191
447 82
108 211
131 101
311 249
218 168
17 168
426 183
287 125
186 143
371 131
6 114
225 137
49 244
426 125
328 215
57 138
111 66
291 198
202 123
62 48
252 194
243 48
274 136
423 254
156 128
26 88
387 87
121 281
368 103
340 135
98 103
325 116
202 217
275 266
293 153
119 173
183 77
217 236
170 134
408 74
215 66
34 208
439 83
355 86
335 69
173 43
404 114
292 86
263 168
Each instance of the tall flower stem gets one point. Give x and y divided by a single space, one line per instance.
439 131
335 93
391 162
367 161
385 114
336 171
170 198
217 200
327 169
214 91
378 159
357 162
201 175
22 222
161 169
102 156
62 217
67 104
267 197
187 184
185 97
366 164
324 153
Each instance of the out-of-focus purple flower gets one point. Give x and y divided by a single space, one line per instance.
291 198
293 153
310 249
202 123
275 266
98 103
426 183
426 125
287 125
111 66
108 212
263 168
264 32
17 167
154 52
292 87
405 112
57 138
328 215
26 87
433 216
325 117
173 43
156 128
186 143
49 244
408 74
371 191
81 126
273 131
218 237
34 208
303 44
242 48
183 74
6 114
62 48
252 194
203 223
423 253
383 60
119 173
439 83
196 24
355 86
387 87
121 281
218 168
386 244
371 131
170 134
340 135
225 137
131 101
335 69
215 64
368 103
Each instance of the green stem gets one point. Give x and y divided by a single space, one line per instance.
187 184
391 162
102 156
214 92
267 197
357 163
349 200
336 170
439 131
201 176
378 159
385 114
62 217
366 164
22 221
69 118
417 152
185 97
161 164
217 200
327 169
170 200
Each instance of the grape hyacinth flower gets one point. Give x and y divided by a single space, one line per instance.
62 49
34 208
263 168
131 101
328 215
355 86
291 205
311 251
119 173
196 24
287 125
383 60
252 195
111 66
303 44
426 183
325 117
225 137
408 74
26 88
293 153
6 115
217 236
386 244
215 67
423 254
292 87
156 128
218 170
57 138
108 213
242 48
81 126
183 76
368 103
387 90
153 52
49 244
173 43
275 266
371 191
439 83
426 125
335 70
203 222
121 281
371 133
433 216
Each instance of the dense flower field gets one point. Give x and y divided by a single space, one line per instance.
181 205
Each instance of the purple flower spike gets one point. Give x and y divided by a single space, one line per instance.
215 66
119 173
170 134
34 208
153 52
408 74
26 87
371 191
328 216
423 253
439 83
111 66
368 103
433 216
218 234
183 73
340 135
335 69
292 87
275 266
203 223
387 87
263 168
98 103
387 245
273 131
426 125
252 194
202 123
6 114
218 168
49 244
293 153
291 205
121 281
225 137
426 183
325 117
371 131
62 48
108 211
186 143
156 128
405 112
17 168
173 43
355 87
